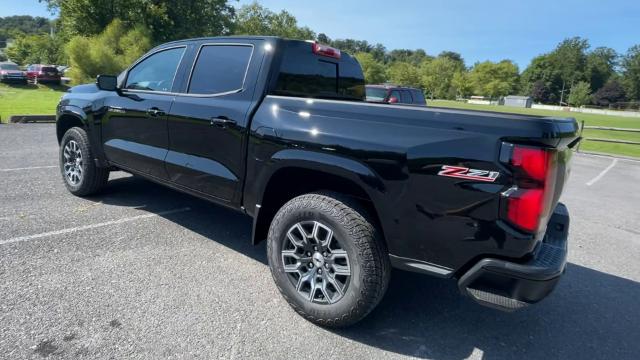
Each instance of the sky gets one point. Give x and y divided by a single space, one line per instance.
480 30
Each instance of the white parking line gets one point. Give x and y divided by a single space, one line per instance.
595 179
30 168
91 226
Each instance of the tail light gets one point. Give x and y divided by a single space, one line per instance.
324 50
528 203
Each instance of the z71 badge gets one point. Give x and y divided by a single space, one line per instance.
470 174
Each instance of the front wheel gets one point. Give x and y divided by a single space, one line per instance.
328 259
80 174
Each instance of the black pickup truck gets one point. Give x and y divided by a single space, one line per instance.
342 190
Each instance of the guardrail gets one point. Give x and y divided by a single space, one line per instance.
32 118
616 141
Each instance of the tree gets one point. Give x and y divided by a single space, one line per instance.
570 59
612 92
580 94
462 84
403 73
255 19
540 92
494 79
25 24
165 19
415 57
600 66
437 77
107 53
455 57
374 71
36 49
631 72
541 71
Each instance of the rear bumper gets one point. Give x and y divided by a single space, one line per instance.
509 286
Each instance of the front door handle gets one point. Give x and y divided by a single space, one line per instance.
154 111
222 121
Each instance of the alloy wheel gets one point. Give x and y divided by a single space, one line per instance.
315 262
73 162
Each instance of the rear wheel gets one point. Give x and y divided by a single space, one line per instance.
80 174
328 259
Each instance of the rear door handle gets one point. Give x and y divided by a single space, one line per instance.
222 121
154 111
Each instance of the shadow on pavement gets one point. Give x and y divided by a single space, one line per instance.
591 314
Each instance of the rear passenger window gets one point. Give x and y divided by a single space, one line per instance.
405 97
418 97
220 69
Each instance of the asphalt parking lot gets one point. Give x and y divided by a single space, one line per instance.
141 271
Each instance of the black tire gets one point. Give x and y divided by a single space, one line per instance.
358 236
93 178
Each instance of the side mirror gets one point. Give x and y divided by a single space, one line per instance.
107 82
393 100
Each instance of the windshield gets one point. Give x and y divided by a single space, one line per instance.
376 94
9 67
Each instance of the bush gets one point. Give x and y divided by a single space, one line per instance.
107 53
36 49
611 93
580 94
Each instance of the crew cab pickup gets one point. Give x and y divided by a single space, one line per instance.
341 189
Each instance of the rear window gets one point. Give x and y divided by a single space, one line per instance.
305 74
49 69
220 69
9 67
376 94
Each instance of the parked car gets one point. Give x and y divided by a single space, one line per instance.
392 94
10 72
43 74
341 189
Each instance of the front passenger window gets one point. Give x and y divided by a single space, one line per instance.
155 73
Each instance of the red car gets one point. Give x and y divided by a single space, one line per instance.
391 94
43 74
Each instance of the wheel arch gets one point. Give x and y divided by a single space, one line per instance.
297 172
70 117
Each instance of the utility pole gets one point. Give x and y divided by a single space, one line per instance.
562 93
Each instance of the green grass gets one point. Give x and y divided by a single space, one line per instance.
589 120
28 100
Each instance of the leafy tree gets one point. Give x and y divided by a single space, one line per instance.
107 53
415 57
455 57
612 92
353 46
3 57
255 19
165 19
323 39
570 60
494 79
437 77
540 92
36 49
374 71
403 73
631 72
25 24
580 94
600 67
462 84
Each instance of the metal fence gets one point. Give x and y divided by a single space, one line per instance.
606 128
